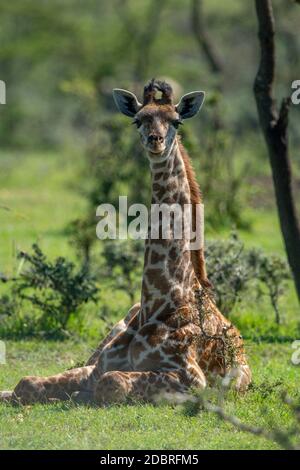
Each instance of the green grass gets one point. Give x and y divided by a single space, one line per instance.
65 426
36 202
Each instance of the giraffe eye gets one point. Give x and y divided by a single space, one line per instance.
137 122
176 123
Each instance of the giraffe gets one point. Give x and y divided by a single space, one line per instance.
175 338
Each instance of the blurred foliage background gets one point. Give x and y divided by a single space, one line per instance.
64 149
60 61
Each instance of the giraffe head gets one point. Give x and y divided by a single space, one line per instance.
157 118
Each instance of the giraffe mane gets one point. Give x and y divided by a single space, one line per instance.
196 198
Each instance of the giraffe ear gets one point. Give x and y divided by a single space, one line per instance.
126 102
190 104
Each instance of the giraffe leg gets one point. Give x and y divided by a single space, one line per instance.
44 389
243 377
118 328
117 386
61 386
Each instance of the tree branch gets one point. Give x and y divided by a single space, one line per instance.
202 38
282 437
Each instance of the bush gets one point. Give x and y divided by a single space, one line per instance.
16 320
228 270
47 295
123 262
52 292
234 271
272 272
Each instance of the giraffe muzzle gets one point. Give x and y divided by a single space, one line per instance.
156 144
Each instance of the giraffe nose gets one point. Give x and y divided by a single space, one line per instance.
155 139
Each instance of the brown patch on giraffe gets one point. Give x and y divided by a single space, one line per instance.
173 253
157 304
168 199
183 199
152 378
166 312
171 186
158 176
157 279
159 192
152 333
156 187
156 257
136 349
152 362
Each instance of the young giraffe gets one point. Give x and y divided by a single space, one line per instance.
176 337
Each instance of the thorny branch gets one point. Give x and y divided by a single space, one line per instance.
229 349
280 436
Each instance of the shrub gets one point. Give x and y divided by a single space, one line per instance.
228 270
235 270
53 291
123 264
273 272
15 320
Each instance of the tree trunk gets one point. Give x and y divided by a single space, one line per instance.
274 124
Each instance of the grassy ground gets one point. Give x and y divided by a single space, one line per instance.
36 202
63 426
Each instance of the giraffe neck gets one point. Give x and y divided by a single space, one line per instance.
168 271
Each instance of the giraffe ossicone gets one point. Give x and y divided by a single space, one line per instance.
175 338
